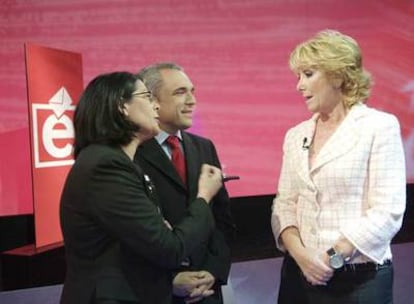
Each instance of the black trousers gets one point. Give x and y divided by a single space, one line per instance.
359 285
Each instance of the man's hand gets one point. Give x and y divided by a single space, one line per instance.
193 285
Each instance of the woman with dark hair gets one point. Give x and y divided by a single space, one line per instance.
119 248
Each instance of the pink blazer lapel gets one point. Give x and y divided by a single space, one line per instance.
342 141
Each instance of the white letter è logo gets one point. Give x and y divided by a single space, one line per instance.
59 103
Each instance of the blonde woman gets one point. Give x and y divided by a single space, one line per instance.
341 192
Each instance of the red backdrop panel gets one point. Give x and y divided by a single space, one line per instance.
54 82
236 53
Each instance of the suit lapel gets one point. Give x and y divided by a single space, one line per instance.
303 157
152 152
193 164
343 139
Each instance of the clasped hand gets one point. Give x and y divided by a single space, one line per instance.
193 285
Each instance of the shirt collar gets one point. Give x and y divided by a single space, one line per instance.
162 136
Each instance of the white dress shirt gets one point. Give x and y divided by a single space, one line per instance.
161 138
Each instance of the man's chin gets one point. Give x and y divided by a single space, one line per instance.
186 125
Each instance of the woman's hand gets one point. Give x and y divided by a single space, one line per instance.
209 182
315 266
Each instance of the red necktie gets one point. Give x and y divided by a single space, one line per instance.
177 157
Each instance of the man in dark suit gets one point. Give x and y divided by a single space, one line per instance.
175 94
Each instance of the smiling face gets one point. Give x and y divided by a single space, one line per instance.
141 109
321 94
177 101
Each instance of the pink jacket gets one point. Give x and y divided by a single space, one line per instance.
356 188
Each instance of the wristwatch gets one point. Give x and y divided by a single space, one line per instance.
336 260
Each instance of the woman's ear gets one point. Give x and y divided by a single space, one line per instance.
123 108
337 83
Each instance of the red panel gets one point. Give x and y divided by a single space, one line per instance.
54 80
235 51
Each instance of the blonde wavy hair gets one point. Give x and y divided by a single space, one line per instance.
339 56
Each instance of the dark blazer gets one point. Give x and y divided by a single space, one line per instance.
174 198
117 244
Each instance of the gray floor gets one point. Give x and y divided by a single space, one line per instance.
250 282
258 281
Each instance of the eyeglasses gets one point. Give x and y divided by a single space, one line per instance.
147 95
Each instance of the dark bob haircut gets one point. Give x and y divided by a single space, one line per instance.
97 116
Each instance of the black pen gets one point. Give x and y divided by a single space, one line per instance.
227 178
